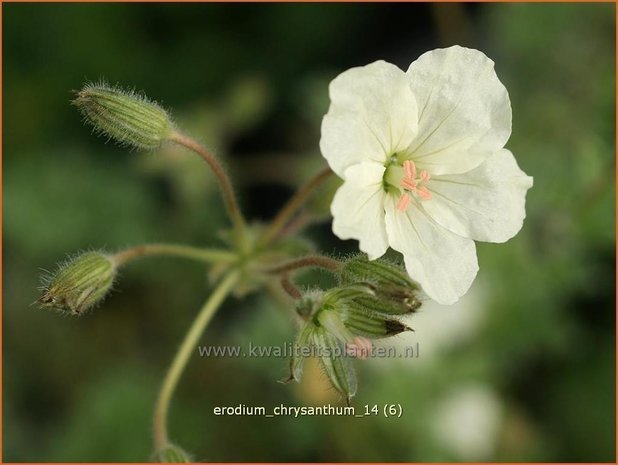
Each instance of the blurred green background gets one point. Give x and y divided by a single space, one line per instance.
522 369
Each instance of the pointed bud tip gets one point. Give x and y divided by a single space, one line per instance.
394 327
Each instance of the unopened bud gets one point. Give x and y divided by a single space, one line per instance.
79 284
379 271
386 299
363 321
395 292
389 304
349 292
126 116
171 454
337 367
303 340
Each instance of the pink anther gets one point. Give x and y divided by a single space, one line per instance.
423 193
404 202
409 168
408 183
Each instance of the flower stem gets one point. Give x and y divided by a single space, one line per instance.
297 224
289 287
294 204
195 253
309 261
229 197
183 355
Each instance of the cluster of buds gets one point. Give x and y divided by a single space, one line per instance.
339 324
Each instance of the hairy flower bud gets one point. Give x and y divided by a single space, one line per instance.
171 454
126 116
395 293
362 321
79 284
303 340
337 367
381 272
358 314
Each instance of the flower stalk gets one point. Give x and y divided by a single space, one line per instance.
175 250
229 197
182 357
289 287
297 201
309 261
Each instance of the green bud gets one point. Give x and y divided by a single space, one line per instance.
395 293
389 305
381 272
363 321
349 292
304 339
79 284
384 300
126 116
407 299
337 367
171 454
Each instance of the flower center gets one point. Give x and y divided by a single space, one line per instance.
406 181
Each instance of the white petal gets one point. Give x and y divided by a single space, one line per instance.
358 208
487 203
443 263
464 110
372 115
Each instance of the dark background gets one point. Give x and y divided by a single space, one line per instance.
522 369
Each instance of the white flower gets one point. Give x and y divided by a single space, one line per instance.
424 166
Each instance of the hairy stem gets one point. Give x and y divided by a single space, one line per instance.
195 253
298 223
229 197
309 261
297 201
182 357
289 287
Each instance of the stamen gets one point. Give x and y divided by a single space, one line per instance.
409 168
425 176
408 183
423 193
404 202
